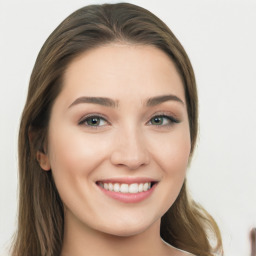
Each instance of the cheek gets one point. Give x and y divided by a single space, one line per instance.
173 161
74 152
175 165
177 158
172 152
73 157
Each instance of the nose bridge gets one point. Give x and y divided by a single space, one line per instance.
130 148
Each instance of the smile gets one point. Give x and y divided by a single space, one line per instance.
127 191
126 188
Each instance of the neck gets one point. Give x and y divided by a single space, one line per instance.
83 241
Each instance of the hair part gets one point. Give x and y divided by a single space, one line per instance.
41 217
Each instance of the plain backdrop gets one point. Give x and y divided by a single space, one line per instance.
220 39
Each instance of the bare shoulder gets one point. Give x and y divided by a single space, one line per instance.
175 251
183 253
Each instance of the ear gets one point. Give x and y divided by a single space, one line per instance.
43 161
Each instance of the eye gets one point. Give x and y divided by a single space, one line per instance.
93 121
163 120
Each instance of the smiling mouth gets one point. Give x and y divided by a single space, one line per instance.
132 188
127 190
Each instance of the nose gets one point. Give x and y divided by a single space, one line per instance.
130 150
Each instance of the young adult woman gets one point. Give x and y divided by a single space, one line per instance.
106 136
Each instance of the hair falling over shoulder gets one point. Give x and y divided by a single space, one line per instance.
185 225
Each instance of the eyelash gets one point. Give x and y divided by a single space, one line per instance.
170 119
88 117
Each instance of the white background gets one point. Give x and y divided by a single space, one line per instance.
220 39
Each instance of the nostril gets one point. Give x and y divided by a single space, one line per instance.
131 160
131 152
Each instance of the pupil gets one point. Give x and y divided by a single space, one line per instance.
157 120
94 121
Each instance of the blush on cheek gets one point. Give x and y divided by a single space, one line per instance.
178 154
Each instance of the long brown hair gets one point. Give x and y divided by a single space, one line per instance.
41 220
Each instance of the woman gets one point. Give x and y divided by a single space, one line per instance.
107 132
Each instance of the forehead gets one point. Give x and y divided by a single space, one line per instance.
116 69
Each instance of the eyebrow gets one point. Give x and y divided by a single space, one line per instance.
107 102
96 100
161 99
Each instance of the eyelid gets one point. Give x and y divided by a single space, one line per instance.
173 119
97 115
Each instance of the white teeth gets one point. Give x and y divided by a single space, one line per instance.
134 188
145 186
110 187
116 187
126 188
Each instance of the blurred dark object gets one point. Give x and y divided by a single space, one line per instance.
253 242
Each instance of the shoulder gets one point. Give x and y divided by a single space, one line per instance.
184 253
175 251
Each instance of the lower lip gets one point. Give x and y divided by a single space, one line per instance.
129 197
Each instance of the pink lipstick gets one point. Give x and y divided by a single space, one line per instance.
127 190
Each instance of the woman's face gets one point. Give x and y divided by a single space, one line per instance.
119 142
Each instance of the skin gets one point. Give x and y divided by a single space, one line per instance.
125 143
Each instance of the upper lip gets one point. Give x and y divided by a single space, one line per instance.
127 180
